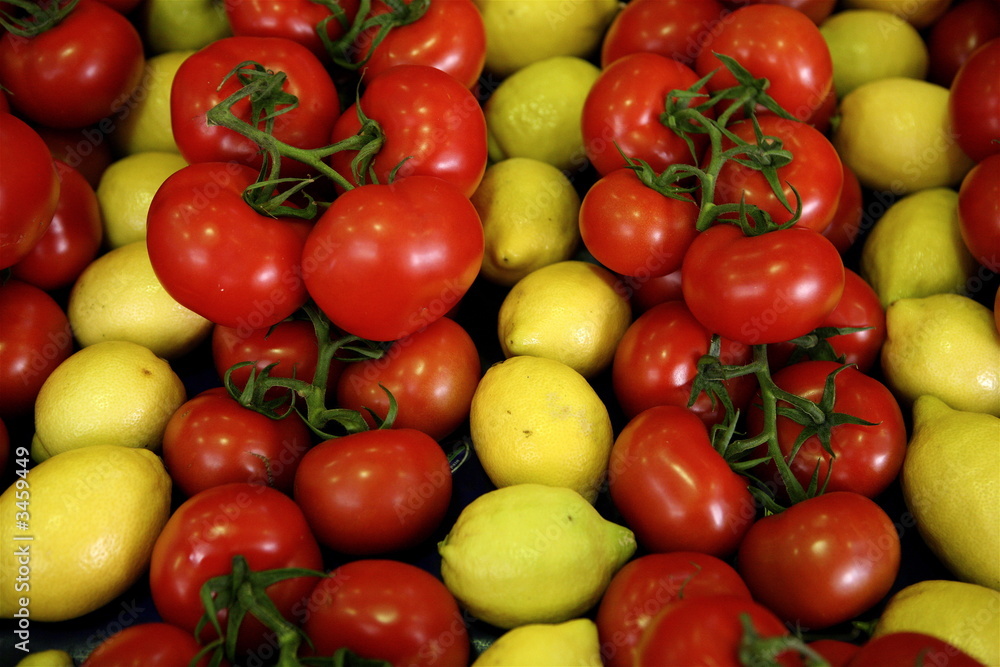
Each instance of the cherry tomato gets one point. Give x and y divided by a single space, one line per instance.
845 225
676 29
148 645
910 648
979 211
974 102
297 20
960 31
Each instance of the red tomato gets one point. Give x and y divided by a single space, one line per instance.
647 293
673 489
623 109
816 10
656 362
761 289
905 649
432 374
430 246
979 211
73 237
29 194
780 44
646 585
835 651
148 645
960 31
974 102
374 492
77 72
34 339
676 29
198 86
845 225
822 561
216 255
297 20
201 537
85 149
430 120
388 610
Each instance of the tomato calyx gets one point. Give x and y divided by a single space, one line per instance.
400 13
816 346
37 16
758 651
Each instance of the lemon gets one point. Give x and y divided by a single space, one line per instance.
531 553
951 485
916 248
571 311
119 297
536 111
521 32
896 135
93 516
530 213
126 187
565 644
534 419
919 13
145 124
50 658
945 345
967 616
109 393
870 44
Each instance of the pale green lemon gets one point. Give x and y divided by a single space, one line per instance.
145 121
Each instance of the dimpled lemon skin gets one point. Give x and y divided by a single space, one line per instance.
965 615
530 213
534 419
94 515
951 484
945 345
127 187
146 126
571 644
531 553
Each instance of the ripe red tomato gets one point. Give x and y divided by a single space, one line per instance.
374 492
297 20
845 225
816 10
84 149
149 645
676 29
651 291
835 651
822 561
648 584
974 102
979 211
910 648
960 31
387 610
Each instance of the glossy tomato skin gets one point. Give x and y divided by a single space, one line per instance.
430 242
822 561
148 645
216 255
656 362
78 72
29 194
296 20
649 583
388 610
674 490
960 31
761 289
432 374
430 120
676 29
910 648
979 211
816 10
974 102
203 534
374 492
845 225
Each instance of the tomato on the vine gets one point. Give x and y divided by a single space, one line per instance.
910 648
676 29
151 644
297 20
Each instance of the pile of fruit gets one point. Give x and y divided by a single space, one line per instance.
499 332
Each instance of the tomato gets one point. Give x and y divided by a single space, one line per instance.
387 610
673 489
904 649
822 561
430 246
432 374
961 30
203 534
147 645
198 86
816 10
85 149
430 120
72 239
815 173
656 362
29 194
835 651
621 114
979 211
646 585
761 289
374 492
676 29
646 293
216 255
634 230
974 102
845 225
34 339
779 44
296 20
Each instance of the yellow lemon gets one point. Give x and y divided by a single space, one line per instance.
951 484
945 345
916 248
967 616
919 13
125 190
568 644
521 32
530 215
534 419
531 553
870 44
145 120
897 136
93 515
119 297
536 111
49 658
109 393
571 311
